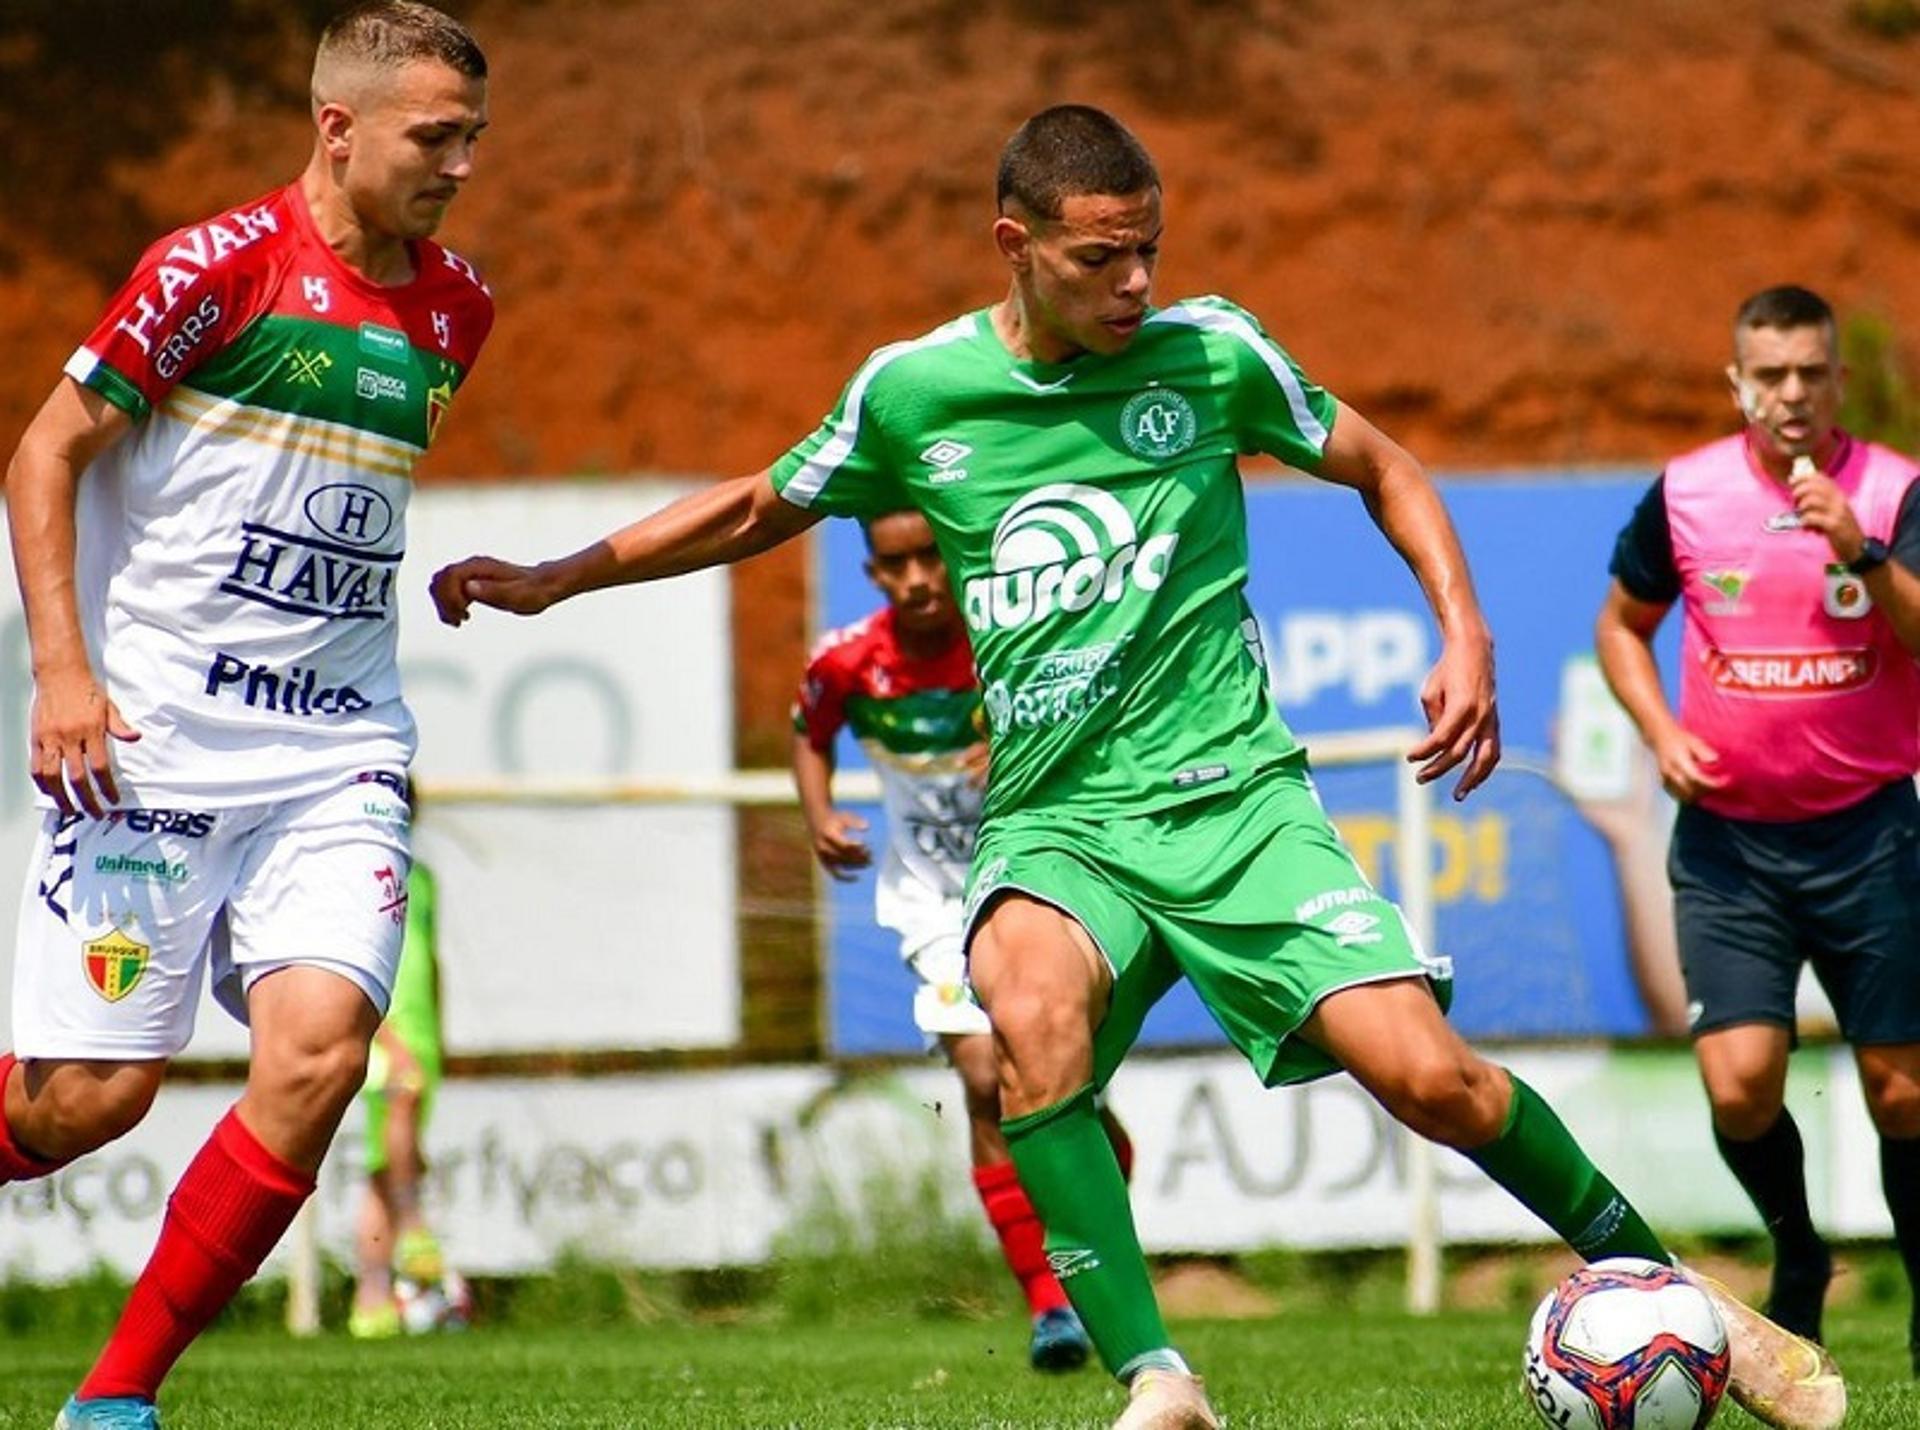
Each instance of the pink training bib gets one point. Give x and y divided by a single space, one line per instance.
1788 670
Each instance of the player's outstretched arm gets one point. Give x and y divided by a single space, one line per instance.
727 522
73 720
1458 696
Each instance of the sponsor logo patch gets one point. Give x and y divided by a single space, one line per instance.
1060 685
349 512
294 690
1845 597
387 344
379 386
182 266
187 336
187 823
1200 775
114 963
306 576
141 871
1063 547
1785 674
1333 899
1728 586
386 779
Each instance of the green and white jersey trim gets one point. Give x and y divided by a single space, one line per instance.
807 482
1215 316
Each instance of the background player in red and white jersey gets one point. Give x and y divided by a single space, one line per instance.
208 515
903 679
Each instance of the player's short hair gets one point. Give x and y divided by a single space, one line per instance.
1068 150
387 34
867 523
1787 306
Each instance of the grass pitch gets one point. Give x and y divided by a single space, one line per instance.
1367 1371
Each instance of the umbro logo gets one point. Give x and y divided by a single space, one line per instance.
945 457
1066 1265
1354 927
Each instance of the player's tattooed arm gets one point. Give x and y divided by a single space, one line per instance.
1463 718
727 522
73 722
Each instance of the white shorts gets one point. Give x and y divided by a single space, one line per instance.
931 928
119 915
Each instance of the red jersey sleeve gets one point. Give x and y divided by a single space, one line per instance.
190 295
457 307
820 709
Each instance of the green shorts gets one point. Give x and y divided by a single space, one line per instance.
1251 895
377 1093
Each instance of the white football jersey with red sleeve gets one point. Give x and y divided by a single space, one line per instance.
239 548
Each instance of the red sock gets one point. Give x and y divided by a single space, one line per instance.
17 1164
1022 1238
228 1212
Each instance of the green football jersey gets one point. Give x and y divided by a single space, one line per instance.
1092 520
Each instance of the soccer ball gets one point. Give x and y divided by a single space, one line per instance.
1626 1344
428 1307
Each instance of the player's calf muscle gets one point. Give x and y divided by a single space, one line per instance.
67 1109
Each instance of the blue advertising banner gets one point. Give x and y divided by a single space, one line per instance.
1527 871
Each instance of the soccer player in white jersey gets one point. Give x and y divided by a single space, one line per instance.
207 515
1150 817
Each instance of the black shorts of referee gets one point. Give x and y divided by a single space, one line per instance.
1754 901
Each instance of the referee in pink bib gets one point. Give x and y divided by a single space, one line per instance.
1791 550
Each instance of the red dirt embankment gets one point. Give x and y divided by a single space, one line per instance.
1511 232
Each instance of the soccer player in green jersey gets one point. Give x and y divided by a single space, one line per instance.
1150 816
403 1078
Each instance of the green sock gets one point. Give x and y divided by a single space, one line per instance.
1537 1160
1070 1173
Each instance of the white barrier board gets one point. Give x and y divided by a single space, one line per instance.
702 1169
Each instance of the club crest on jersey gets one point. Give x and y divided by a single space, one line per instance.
114 963
439 399
1157 424
1846 597
443 329
318 295
1062 547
